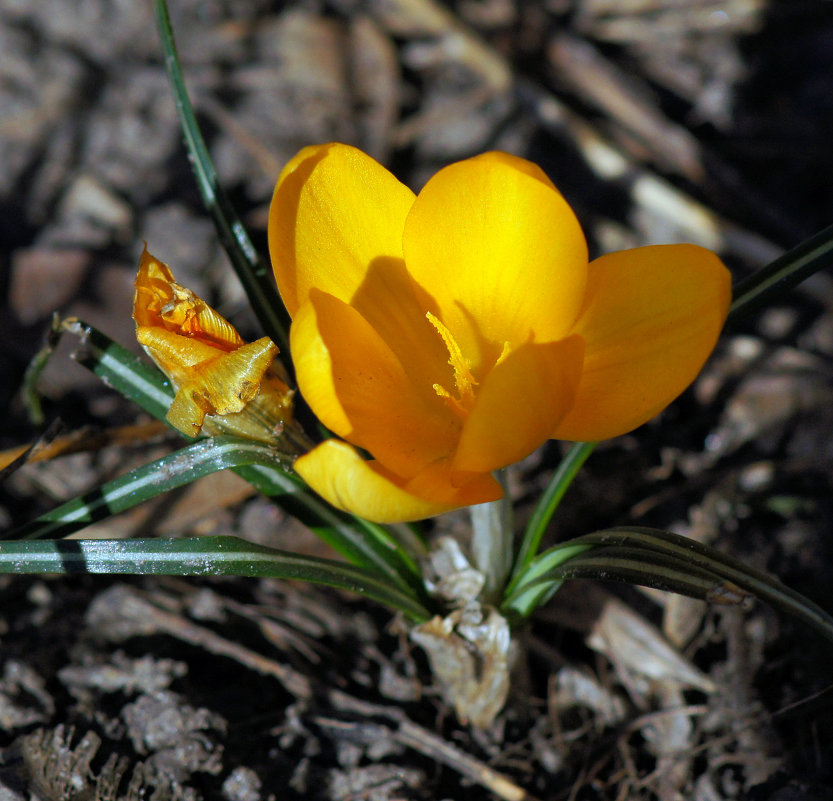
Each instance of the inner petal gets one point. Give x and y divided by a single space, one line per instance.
362 390
390 301
519 404
500 253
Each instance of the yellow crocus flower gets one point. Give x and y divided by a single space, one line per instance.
451 333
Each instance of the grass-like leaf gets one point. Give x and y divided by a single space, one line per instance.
253 273
163 475
201 556
199 459
770 282
118 368
361 542
547 506
536 583
665 561
28 390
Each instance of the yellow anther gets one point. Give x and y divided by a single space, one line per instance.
453 403
464 381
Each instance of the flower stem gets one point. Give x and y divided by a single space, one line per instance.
491 543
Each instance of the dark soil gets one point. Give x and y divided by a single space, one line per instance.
660 121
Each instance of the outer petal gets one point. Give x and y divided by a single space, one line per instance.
233 379
208 380
336 224
519 404
336 472
334 212
175 354
651 319
500 252
358 387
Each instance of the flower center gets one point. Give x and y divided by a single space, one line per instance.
464 382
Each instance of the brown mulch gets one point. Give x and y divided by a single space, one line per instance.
660 120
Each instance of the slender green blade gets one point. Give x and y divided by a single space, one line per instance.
663 572
254 460
538 581
118 368
200 556
668 561
359 541
785 272
28 390
548 504
251 269
163 475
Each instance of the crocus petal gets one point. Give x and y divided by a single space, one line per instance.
160 302
359 388
500 252
651 318
519 404
175 354
336 471
223 385
336 224
334 213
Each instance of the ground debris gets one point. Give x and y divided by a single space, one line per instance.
374 783
242 784
571 687
122 674
24 699
179 739
59 771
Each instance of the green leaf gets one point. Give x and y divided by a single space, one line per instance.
201 556
785 272
360 541
253 273
28 391
163 475
132 377
366 547
533 586
670 562
548 504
